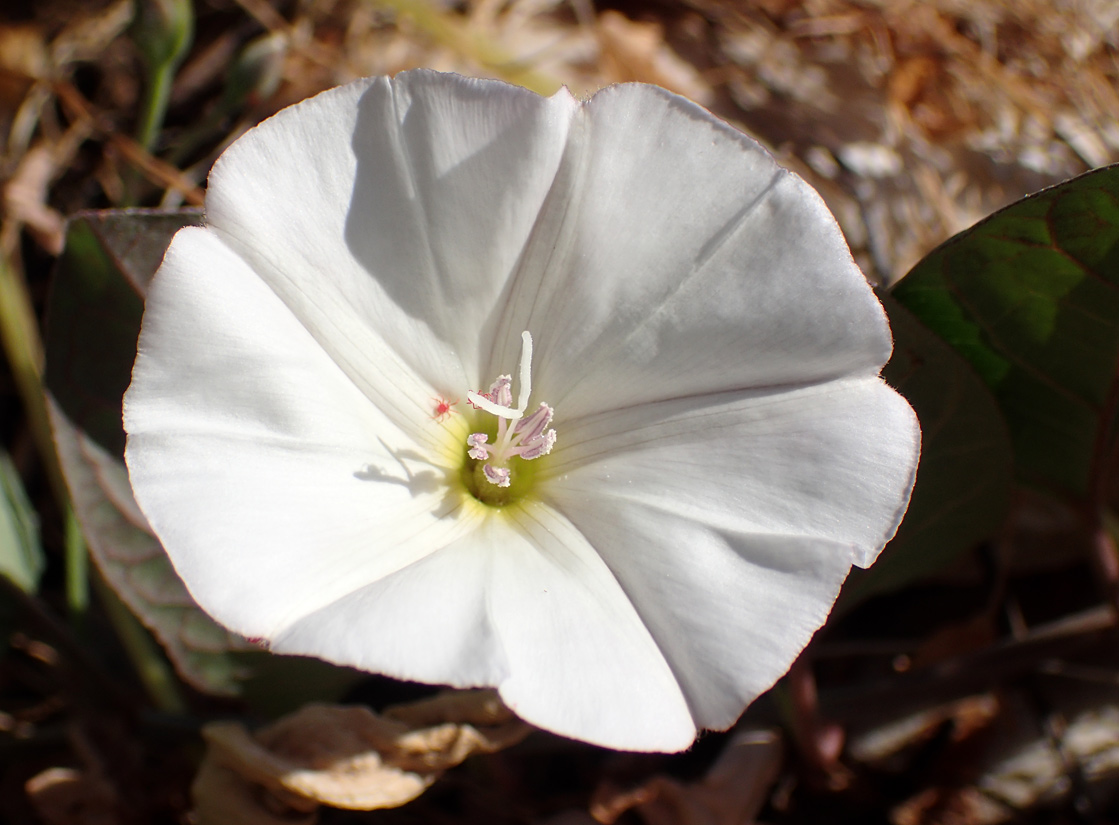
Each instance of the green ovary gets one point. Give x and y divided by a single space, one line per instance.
522 480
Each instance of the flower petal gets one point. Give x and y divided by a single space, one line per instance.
427 622
274 484
726 450
732 526
730 611
523 602
674 257
402 207
835 460
583 661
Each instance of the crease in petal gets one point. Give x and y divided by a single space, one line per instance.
836 460
582 662
740 279
524 603
732 521
548 248
729 592
428 621
407 229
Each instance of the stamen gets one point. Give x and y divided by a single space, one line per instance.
478 448
528 438
542 446
529 429
497 475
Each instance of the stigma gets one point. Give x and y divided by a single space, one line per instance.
520 433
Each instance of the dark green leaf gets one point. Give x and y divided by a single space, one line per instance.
21 554
965 476
1030 296
134 564
94 311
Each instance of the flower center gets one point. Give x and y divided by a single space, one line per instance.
517 434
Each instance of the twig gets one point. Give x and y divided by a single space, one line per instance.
154 169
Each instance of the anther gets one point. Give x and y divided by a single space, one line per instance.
527 438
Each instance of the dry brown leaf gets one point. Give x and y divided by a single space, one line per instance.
223 797
86 36
950 806
884 742
23 51
345 757
974 103
25 199
25 194
481 708
976 633
633 51
23 58
1029 756
732 793
155 170
64 796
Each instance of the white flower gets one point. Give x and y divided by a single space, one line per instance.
316 434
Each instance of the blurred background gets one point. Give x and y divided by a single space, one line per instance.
986 692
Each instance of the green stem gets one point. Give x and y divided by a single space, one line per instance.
153 109
77 567
152 668
19 335
154 106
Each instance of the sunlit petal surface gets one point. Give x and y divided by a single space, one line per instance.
703 346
